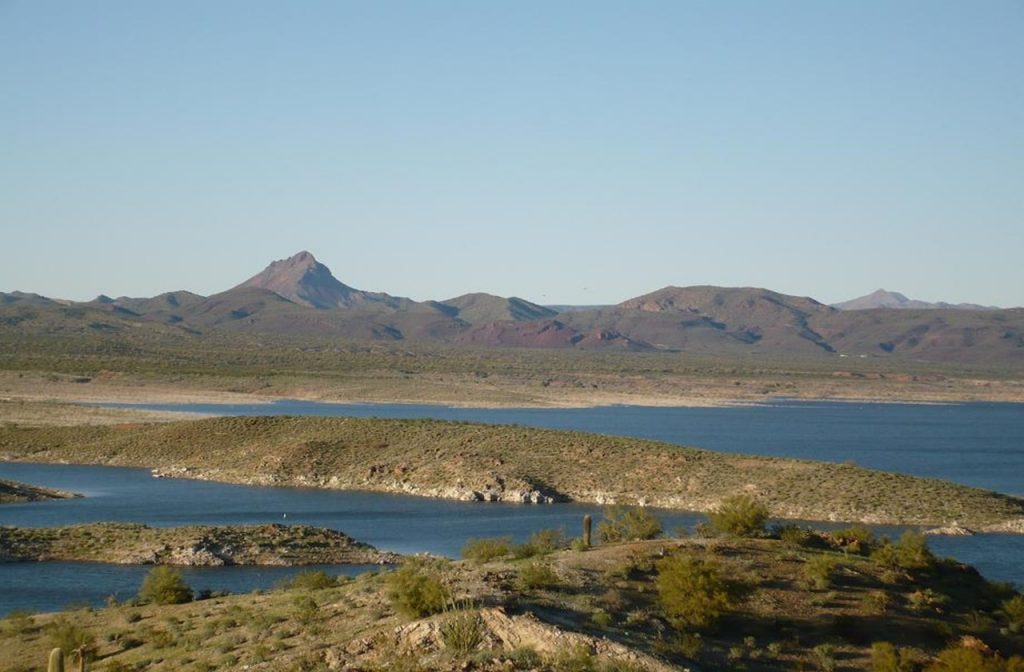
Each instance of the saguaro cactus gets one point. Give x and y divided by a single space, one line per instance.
56 663
587 522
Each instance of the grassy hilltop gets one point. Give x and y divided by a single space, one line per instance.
508 463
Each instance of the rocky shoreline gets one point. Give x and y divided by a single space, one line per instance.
192 546
12 492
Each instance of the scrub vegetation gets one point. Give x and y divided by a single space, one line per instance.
511 463
718 602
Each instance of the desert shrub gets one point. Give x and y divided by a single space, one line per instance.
305 609
601 618
963 659
824 657
536 575
877 601
739 515
794 535
926 600
854 539
692 592
311 580
542 542
628 523
416 591
887 658
72 638
818 571
487 549
524 658
461 631
909 553
576 658
164 585
1013 612
19 622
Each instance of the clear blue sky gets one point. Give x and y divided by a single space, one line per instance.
566 152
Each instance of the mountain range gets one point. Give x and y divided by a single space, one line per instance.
299 296
885 299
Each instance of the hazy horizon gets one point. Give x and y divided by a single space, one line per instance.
565 153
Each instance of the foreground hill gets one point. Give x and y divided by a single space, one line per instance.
804 602
510 464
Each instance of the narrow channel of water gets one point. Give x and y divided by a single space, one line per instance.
976 444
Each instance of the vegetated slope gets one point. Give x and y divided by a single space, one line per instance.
772 606
937 335
881 298
13 491
194 545
29 314
470 461
550 333
479 308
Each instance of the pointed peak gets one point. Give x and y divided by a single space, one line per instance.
303 259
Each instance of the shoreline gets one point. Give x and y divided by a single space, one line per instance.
1010 526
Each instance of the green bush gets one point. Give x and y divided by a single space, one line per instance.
311 580
1013 611
909 553
857 538
416 591
305 609
824 657
740 516
794 535
961 659
692 592
542 542
487 549
818 571
164 585
536 575
72 638
628 523
887 658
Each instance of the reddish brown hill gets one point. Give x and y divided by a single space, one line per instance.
303 280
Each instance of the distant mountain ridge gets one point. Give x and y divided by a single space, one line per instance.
299 296
882 298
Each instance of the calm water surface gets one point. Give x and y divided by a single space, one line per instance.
976 444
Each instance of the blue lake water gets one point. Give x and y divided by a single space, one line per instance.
976 444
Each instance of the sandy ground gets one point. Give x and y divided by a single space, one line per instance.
39 398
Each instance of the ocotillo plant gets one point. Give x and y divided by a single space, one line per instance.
586 530
56 663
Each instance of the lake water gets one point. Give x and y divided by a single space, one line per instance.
976 444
